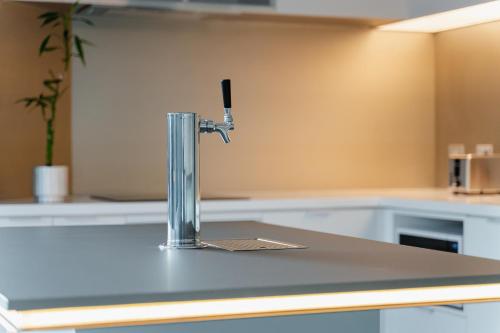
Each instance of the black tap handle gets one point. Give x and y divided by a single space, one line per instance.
226 93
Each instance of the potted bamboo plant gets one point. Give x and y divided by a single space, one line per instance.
50 182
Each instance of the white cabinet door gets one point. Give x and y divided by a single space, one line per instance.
230 216
288 218
88 220
482 239
26 221
356 223
146 218
360 223
423 320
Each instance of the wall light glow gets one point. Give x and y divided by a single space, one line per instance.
175 312
453 19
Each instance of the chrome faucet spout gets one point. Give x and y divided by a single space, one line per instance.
208 126
223 132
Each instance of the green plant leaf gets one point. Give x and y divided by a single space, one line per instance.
52 84
44 46
79 49
51 48
48 15
82 8
49 20
86 42
27 101
40 101
84 20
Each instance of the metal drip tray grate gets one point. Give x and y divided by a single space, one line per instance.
251 244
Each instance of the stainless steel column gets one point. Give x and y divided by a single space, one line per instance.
183 181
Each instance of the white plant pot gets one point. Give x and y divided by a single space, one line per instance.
50 183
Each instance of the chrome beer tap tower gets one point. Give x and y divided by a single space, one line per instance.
184 130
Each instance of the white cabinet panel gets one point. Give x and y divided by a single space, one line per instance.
423 320
482 239
357 223
230 216
483 317
385 220
25 221
290 218
88 220
146 218
349 222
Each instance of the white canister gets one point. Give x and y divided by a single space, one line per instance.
50 183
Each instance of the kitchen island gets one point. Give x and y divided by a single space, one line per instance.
100 277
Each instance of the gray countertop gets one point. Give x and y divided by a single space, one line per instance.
103 265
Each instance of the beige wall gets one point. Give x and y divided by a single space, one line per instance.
316 106
467 90
22 132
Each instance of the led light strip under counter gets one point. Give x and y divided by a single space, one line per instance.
217 309
448 20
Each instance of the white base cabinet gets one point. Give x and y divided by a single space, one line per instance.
423 320
482 239
360 223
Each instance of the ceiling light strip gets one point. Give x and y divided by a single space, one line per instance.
172 312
